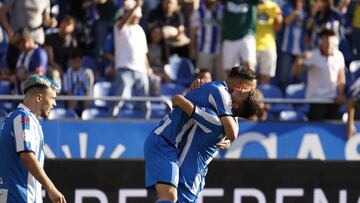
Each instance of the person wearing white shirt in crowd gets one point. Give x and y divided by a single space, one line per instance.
131 64
326 76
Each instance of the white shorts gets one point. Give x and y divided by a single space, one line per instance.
266 62
208 61
243 49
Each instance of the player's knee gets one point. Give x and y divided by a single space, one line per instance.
166 193
171 195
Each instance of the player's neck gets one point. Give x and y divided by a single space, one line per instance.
32 106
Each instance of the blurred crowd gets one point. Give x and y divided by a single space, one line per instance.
131 43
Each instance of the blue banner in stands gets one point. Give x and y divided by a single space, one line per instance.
273 140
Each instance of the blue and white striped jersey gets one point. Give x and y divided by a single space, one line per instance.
199 148
33 61
4 41
76 82
20 132
176 123
213 94
208 24
293 34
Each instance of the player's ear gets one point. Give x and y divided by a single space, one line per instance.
39 97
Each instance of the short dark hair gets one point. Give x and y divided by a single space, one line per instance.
327 33
201 70
242 72
250 106
36 89
75 53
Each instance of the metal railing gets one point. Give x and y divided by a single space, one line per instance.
297 101
163 99
166 100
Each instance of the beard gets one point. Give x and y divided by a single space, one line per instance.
238 112
44 115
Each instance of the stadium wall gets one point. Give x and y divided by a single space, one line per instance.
268 140
228 181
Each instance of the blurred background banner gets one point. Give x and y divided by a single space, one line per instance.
270 140
230 181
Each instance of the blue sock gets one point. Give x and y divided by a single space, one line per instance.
164 201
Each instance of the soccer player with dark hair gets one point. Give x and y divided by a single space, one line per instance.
201 143
160 151
21 145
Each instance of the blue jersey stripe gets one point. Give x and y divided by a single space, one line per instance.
214 39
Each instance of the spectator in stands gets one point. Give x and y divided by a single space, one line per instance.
325 15
281 3
171 20
292 41
33 15
326 76
204 75
58 45
353 108
158 53
32 59
4 44
238 32
269 21
106 12
131 61
108 56
77 81
355 33
205 35
84 25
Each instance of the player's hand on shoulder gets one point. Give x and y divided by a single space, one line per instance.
56 196
224 144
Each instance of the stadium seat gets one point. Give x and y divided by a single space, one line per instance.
89 62
171 89
297 91
273 91
129 110
94 113
270 91
354 69
131 114
158 110
3 114
60 104
62 113
5 89
180 70
291 115
102 88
